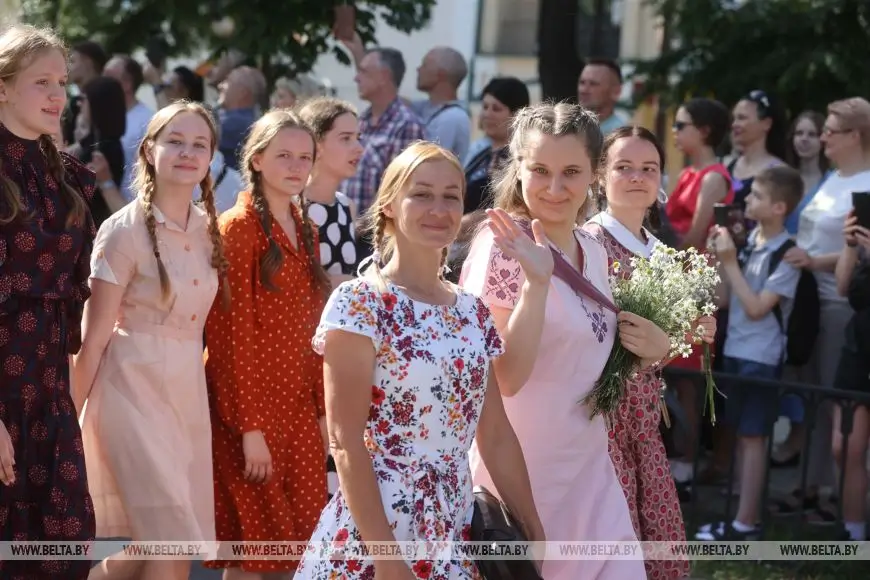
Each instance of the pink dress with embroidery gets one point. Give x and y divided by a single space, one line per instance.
431 369
573 480
637 450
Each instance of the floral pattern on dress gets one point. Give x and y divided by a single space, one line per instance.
44 269
505 278
432 365
597 319
638 453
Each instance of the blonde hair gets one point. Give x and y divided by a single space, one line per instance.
555 120
855 115
19 46
144 181
375 222
262 133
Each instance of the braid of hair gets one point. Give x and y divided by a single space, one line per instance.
11 205
442 270
78 208
218 260
315 268
271 260
378 243
151 225
654 218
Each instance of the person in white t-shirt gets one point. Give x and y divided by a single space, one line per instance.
129 73
846 139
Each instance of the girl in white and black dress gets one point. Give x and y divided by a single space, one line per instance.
336 127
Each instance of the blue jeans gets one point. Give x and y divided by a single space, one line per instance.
752 409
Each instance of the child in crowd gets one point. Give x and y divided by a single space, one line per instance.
760 292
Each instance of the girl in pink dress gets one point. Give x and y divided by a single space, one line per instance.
631 177
156 269
558 327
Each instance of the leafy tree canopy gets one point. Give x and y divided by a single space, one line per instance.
807 53
285 36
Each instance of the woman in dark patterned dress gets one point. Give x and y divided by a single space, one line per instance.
632 161
46 234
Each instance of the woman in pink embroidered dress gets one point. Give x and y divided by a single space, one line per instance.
558 332
407 360
631 177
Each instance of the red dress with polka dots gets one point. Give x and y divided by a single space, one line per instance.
44 269
262 374
638 452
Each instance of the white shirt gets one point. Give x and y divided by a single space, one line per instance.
622 235
820 230
137 122
231 184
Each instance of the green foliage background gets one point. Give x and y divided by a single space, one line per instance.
282 36
807 53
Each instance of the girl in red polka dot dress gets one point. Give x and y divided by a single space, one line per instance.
265 382
46 234
633 161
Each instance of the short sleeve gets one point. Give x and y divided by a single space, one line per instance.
113 259
493 343
784 280
489 274
352 307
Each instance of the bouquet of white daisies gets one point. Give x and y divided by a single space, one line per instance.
672 289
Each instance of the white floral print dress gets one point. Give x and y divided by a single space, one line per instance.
428 389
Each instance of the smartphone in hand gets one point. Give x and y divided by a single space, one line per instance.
730 216
861 205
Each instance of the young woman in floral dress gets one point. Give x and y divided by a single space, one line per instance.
631 177
407 358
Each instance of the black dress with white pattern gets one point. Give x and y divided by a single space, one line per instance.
338 255
337 238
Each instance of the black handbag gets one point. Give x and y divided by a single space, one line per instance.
493 523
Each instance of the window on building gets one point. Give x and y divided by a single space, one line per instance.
510 27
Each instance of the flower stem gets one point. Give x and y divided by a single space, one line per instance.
711 384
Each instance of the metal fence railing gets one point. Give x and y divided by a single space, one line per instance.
813 398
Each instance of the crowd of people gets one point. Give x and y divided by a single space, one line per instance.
242 323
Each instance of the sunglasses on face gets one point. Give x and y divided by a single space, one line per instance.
680 125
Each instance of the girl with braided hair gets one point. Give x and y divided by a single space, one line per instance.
46 234
157 266
265 382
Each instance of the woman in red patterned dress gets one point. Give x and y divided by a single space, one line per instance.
46 233
631 176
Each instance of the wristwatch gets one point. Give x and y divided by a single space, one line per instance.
108 184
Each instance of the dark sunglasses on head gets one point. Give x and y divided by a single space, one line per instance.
761 100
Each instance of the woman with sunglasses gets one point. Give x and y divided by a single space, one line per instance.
700 126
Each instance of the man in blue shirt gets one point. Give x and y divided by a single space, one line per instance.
240 95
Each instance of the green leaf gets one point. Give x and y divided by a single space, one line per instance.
805 52
264 29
